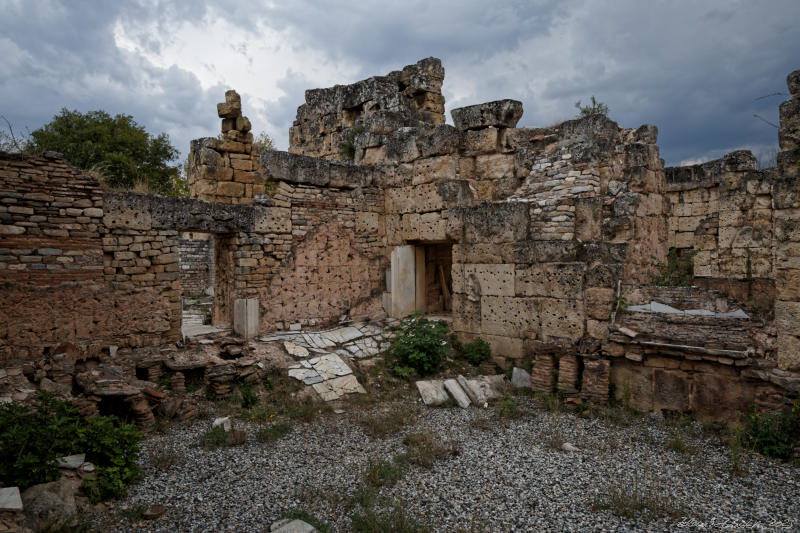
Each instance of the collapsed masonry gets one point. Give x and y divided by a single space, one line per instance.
530 237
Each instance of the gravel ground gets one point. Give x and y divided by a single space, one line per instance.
507 478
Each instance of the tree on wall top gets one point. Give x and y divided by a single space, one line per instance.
117 148
596 108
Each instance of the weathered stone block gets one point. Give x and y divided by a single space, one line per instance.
273 220
494 167
488 280
367 222
509 316
507 347
555 280
720 397
245 317
633 385
230 188
500 114
670 390
599 302
788 352
561 318
481 141
494 223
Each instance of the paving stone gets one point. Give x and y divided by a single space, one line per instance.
333 389
456 393
10 499
432 392
520 378
330 366
302 374
295 349
348 333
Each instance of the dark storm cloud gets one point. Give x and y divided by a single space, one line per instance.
694 69
64 55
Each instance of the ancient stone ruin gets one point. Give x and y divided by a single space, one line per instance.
541 241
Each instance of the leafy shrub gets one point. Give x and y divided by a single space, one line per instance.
385 473
249 394
476 352
678 271
420 345
596 108
347 148
773 435
32 438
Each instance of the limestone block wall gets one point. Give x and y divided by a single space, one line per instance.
787 231
196 259
333 115
723 210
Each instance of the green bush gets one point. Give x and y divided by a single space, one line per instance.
773 435
420 345
476 352
32 438
678 271
595 108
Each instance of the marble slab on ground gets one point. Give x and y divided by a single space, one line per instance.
295 350
432 392
330 366
457 393
520 378
333 389
10 499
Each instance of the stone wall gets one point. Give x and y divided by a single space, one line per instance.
723 210
196 260
327 123
787 230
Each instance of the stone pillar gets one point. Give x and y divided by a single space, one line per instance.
567 374
596 374
245 317
786 220
543 373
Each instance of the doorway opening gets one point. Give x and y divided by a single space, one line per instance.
421 279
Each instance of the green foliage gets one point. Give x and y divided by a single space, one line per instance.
272 433
249 395
476 352
124 152
262 143
32 438
385 473
214 438
596 108
678 271
395 520
420 344
508 408
773 435
347 148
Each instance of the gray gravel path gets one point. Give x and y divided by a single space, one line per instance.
506 479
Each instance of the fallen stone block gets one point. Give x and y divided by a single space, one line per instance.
72 462
432 392
488 388
457 393
224 422
10 499
292 526
473 393
520 378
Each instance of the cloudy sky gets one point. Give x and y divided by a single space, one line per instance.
696 69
